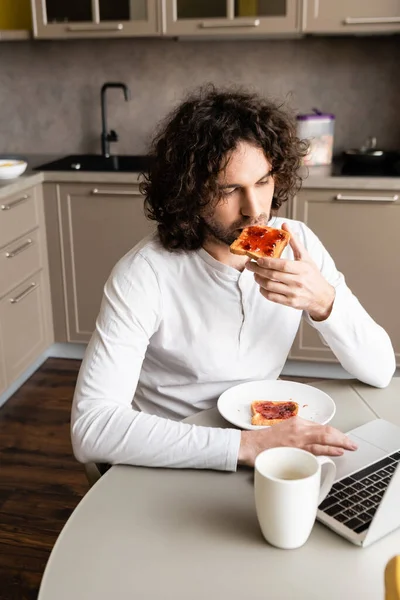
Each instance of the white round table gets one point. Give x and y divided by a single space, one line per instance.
189 535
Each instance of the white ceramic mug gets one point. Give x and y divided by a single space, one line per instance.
288 490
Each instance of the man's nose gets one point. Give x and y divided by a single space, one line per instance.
251 205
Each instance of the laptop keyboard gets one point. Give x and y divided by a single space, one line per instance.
354 500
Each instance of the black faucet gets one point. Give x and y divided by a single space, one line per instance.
109 136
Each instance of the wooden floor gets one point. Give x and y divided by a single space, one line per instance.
40 481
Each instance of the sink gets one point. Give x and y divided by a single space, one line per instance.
97 162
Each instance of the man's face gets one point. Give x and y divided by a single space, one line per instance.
247 189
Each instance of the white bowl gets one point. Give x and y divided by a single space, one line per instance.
10 168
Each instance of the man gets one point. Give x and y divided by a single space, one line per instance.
183 319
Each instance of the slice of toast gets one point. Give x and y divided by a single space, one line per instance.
258 241
265 412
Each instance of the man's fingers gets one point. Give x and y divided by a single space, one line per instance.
277 264
271 274
323 436
277 298
273 286
319 450
328 436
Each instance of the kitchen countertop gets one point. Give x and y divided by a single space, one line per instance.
317 178
31 177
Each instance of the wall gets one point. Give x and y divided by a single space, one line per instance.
50 91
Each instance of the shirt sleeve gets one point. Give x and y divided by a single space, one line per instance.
361 345
104 425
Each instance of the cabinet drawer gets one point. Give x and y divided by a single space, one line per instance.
18 260
23 325
18 215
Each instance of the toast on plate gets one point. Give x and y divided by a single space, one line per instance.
258 241
265 412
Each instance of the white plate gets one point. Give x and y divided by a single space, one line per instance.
314 405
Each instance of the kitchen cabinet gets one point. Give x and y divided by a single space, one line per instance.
19 213
231 17
218 18
351 16
23 316
15 15
359 228
94 18
285 210
90 227
25 311
3 379
15 20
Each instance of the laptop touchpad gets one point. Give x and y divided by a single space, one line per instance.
380 433
375 440
353 461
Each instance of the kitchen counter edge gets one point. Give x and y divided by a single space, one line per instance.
13 186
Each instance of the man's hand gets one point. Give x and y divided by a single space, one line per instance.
297 283
297 433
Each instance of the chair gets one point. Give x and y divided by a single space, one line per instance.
93 473
392 579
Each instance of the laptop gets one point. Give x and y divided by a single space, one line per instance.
363 504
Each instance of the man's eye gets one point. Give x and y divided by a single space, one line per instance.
229 191
264 182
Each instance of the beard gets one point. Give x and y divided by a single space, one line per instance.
227 235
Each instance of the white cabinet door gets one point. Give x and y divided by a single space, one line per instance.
99 224
359 228
3 380
231 17
95 18
26 326
23 323
351 16
19 213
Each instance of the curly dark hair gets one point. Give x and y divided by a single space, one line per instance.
191 147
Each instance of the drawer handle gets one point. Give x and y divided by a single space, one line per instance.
370 20
78 28
229 24
14 202
98 192
23 294
19 249
367 198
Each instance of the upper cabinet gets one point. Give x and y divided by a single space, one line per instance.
15 20
351 16
217 18
231 17
94 18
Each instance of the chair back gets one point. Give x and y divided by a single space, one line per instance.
92 473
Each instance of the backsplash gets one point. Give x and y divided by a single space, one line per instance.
50 91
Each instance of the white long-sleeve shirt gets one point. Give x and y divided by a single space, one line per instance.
175 330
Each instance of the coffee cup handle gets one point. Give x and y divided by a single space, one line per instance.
329 477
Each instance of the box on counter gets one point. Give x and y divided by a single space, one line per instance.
318 129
